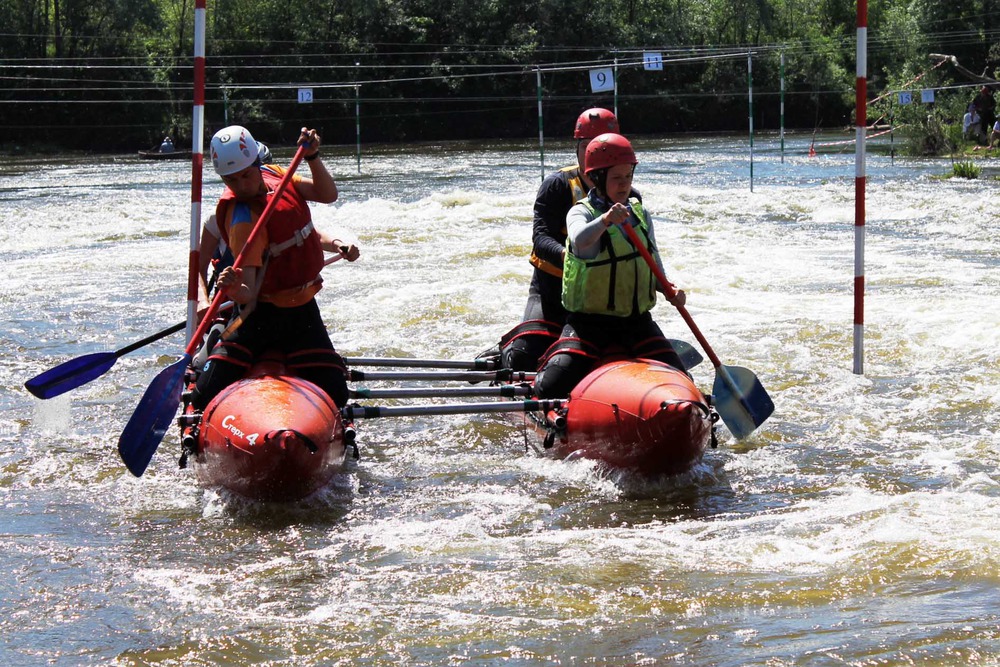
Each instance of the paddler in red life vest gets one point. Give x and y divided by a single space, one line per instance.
276 286
608 289
544 314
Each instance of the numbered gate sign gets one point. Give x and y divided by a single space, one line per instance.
927 96
305 95
652 61
905 97
602 80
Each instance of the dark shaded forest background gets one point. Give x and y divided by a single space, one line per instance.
115 75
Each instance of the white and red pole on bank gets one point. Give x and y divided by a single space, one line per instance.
197 163
861 121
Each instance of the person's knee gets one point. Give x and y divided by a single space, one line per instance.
325 368
523 353
560 375
338 392
217 375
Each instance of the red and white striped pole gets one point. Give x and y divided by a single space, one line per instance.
861 121
197 163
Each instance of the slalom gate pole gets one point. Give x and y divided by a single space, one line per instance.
197 163
541 133
357 121
781 130
750 110
861 122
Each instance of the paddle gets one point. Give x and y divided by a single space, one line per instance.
504 390
740 399
689 356
352 412
501 375
152 417
407 362
685 351
81 370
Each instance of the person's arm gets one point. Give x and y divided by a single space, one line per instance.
238 283
206 249
585 231
242 283
549 219
319 186
334 244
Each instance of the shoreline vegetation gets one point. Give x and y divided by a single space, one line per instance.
116 75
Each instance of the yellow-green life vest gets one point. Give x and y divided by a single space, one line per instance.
617 278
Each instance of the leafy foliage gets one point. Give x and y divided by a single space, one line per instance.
966 169
118 72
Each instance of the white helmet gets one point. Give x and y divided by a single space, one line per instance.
233 150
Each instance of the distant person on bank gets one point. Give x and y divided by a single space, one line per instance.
986 107
971 128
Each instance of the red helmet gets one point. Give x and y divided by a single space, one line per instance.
593 122
608 150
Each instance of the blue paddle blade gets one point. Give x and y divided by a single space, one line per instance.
152 417
71 374
687 352
741 400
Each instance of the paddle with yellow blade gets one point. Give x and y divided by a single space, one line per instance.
156 410
740 398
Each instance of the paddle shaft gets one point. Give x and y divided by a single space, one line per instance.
149 339
503 375
80 370
506 390
352 412
671 292
462 364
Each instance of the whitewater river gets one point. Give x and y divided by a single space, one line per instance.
858 526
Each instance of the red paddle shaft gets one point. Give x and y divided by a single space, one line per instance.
671 292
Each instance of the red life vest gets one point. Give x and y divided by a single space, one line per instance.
300 263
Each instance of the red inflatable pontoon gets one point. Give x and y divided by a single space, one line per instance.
637 416
270 436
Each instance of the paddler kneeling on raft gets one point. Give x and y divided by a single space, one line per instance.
275 288
608 289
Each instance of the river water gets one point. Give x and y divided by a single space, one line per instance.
858 526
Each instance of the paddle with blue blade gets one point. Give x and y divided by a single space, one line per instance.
79 371
740 398
156 410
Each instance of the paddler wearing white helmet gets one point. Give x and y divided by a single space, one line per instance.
276 295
